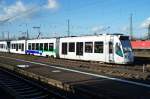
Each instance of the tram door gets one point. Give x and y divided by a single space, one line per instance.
111 55
79 48
8 46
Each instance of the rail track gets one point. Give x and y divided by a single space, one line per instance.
139 61
127 71
21 88
81 90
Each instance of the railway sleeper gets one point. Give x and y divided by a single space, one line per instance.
28 91
33 94
23 88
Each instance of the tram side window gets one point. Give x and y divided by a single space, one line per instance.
88 47
64 48
51 46
71 47
41 46
17 46
98 47
29 46
2 46
33 46
22 47
45 46
79 48
37 46
110 47
118 50
14 46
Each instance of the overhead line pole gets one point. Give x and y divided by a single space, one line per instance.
149 32
131 26
68 22
39 33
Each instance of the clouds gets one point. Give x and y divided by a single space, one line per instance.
20 10
19 7
98 29
52 4
145 23
16 10
125 29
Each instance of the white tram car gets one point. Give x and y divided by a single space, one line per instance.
107 48
3 46
18 46
42 47
103 48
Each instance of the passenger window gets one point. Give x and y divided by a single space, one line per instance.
13 46
33 46
79 48
29 46
51 47
118 50
64 48
71 47
37 46
110 47
88 47
22 47
17 47
41 46
46 46
2 46
98 47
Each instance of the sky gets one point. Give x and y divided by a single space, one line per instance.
86 17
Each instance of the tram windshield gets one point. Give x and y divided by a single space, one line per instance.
125 44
